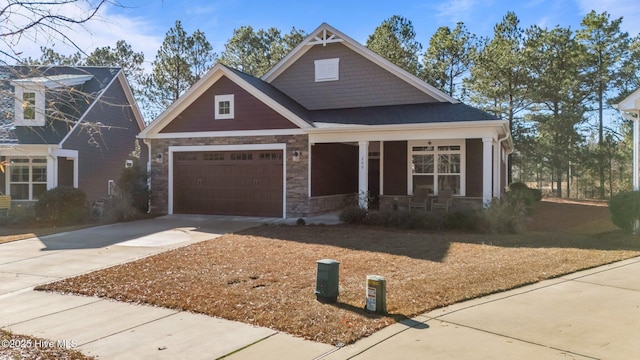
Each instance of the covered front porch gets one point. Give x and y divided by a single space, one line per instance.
30 170
384 169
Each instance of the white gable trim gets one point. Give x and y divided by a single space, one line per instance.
320 33
631 103
199 88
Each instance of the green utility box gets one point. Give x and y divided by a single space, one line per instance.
376 300
327 281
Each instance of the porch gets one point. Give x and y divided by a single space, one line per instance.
386 174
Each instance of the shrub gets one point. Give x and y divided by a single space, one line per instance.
119 207
402 219
353 215
133 184
63 205
468 220
624 208
506 215
525 194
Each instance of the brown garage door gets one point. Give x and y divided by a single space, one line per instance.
245 183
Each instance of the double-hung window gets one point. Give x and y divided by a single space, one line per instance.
437 166
27 178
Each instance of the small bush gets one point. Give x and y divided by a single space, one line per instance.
119 207
528 196
506 215
353 215
133 184
63 205
624 208
468 220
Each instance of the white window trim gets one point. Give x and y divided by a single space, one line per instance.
19 119
31 165
327 69
435 144
223 98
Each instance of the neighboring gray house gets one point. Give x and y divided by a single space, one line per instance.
60 125
329 121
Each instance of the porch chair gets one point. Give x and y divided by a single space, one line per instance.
5 204
419 200
443 200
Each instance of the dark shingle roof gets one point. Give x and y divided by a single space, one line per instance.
274 94
401 114
377 115
70 102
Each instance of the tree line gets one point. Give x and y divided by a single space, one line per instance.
554 85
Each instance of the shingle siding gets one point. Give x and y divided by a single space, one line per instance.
362 83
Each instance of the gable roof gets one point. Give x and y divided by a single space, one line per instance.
254 86
326 34
445 110
75 91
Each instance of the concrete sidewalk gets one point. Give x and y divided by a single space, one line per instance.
593 314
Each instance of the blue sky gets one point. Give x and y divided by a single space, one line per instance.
143 24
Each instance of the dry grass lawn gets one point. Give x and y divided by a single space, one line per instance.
266 275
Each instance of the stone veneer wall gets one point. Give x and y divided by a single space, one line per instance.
297 171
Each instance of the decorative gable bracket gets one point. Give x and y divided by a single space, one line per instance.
325 38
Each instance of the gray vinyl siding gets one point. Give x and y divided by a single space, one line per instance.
362 83
102 154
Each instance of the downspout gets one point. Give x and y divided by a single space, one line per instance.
509 152
148 143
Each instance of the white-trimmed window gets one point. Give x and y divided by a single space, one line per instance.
327 69
436 166
29 106
224 107
27 178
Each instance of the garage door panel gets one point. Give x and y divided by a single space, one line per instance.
234 183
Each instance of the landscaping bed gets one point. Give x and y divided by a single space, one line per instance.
266 275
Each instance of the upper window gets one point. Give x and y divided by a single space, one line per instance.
327 70
224 107
29 106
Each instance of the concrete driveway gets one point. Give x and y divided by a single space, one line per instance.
31 262
110 329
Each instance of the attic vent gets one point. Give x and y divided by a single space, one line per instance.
327 70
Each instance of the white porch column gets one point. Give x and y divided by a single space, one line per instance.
636 171
487 170
496 169
363 173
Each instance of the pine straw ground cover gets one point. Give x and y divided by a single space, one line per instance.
23 347
266 275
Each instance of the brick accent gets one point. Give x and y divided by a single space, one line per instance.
297 176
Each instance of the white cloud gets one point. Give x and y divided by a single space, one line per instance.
629 10
457 10
104 29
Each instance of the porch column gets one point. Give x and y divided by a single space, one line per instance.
363 174
487 170
636 138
